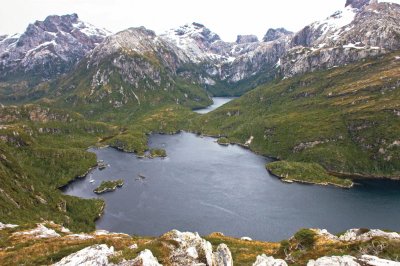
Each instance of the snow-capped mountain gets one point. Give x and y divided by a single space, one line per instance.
134 68
361 29
227 62
47 48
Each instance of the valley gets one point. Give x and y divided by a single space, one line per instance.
257 138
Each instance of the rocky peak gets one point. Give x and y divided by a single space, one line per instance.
57 23
194 40
246 39
48 48
274 34
359 3
196 31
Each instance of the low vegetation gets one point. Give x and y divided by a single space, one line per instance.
108 186
306 173
154 153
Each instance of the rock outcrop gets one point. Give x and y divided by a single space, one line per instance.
246 39
5 226
264 260
275 34
191 249
362 235
40 231
145 258
357 3
96 255
365 260
222 256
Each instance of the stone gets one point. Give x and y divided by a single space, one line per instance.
40 231
264 260
375 261
134 246
245 238
365 260
96 255
360 235
324 233
334 261
191 248
223 256
145 258
5 226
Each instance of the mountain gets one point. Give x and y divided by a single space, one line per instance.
361 29
135 68
228 68
48 48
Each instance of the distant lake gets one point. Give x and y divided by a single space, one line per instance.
218 101
204 187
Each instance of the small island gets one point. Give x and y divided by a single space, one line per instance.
154 153
223 141
108 186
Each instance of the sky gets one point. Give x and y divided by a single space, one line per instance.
227 18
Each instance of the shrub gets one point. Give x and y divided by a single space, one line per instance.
305 238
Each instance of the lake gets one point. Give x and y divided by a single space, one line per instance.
217 102
204 187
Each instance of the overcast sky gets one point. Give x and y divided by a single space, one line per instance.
226 17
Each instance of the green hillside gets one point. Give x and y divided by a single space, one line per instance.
345 119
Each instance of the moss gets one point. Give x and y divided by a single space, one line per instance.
158 153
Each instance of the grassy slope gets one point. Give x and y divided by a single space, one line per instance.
345 119
42 150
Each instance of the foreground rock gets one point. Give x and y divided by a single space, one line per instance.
264 260
96 255
194 250
145 258
223 256
365 260
191 249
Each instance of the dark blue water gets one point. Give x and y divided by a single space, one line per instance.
204 187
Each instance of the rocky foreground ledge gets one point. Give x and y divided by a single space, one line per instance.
51 244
